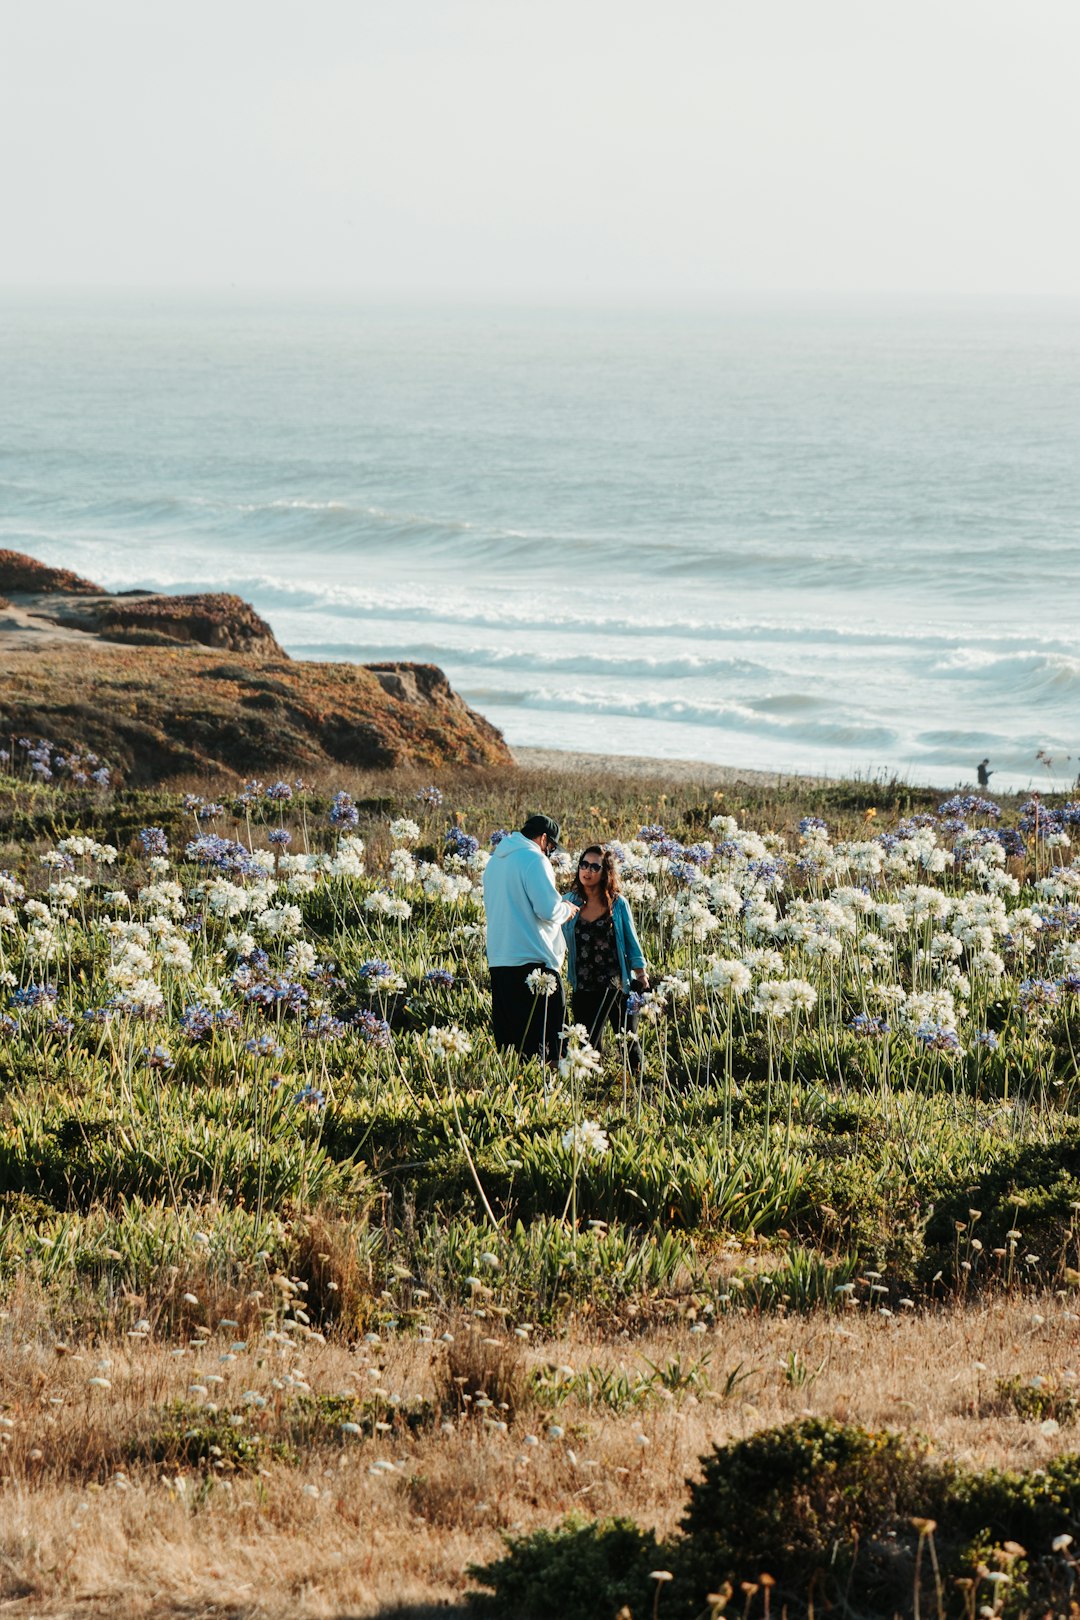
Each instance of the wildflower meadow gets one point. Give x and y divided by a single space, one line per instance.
255 1136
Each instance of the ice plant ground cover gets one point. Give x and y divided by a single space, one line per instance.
248 1090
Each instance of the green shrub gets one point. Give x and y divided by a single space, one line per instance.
816 1505
578 1572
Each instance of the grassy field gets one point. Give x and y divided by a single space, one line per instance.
310 1295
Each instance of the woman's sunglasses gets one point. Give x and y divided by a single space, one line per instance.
590 866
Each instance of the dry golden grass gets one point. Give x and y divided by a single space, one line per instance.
86 1531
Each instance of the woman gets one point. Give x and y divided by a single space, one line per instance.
604 959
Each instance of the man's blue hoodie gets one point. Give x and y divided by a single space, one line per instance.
524 912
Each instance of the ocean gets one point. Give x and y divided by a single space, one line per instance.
816 538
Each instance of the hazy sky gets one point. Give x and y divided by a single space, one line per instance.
542 148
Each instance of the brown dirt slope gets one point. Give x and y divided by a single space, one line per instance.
155 712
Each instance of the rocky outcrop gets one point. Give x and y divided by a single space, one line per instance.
19 572
215 619
163 686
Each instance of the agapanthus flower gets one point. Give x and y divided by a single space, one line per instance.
937 1037
157 1057
375 1031
325 1027
280 837
279 792
154 841
541 983
439 978
223 854
430 795
587 1138
264 1046
869 1024
1039 993
343 812
278 992
988 1040
448 1041
32 996
581 1060
728 975
311 1097
403 830
378 975
460 843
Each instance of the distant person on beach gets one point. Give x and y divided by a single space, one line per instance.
984 774
525 943
604 960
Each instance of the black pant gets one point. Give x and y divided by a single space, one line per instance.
596 1009
529 1024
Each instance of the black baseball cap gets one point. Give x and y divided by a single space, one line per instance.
542 824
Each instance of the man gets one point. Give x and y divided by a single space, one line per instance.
524 936
984 774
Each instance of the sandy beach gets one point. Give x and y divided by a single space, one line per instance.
709 776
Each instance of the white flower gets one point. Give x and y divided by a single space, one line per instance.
582 1060
727 974
674 987
404 831
300 958
176 953
402 867
448 1041
587 1137
541 983
280 920
784 998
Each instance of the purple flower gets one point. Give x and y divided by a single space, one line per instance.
154 841
263 1046
1038 993
937 1037
223 854
323 1028
375 970
865 1024
374 1030
34 995
311 1097
343 812
430 795
279 792
459 842
440 978
280 837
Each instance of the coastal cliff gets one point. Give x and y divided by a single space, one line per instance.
167 685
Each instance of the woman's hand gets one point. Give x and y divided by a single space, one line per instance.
641 981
